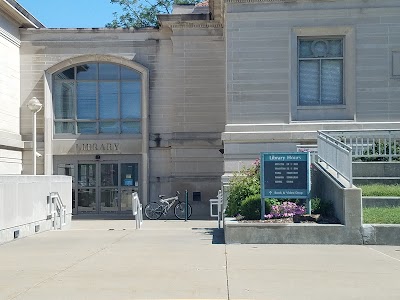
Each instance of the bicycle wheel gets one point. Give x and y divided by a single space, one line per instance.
180 211
153 211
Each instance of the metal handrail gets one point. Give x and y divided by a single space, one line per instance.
379 144
337 155
57 208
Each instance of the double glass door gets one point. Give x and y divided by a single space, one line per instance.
102 187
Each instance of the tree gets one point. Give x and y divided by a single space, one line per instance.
142 13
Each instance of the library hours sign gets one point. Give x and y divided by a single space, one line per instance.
285 175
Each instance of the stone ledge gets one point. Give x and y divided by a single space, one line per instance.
289 233
380 201
381 234
308 233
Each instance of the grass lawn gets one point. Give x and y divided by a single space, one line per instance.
381 215
380 190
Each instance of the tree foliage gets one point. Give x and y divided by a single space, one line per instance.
143 13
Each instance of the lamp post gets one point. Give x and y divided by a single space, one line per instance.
35 106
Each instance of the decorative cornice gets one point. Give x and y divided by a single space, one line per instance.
9 37
194 25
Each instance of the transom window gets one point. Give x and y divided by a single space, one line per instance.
97 98
320 71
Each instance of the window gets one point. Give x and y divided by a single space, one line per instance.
320 71
97 98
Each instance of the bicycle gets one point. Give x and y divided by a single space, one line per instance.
154 210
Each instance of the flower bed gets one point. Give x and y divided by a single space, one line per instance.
285 210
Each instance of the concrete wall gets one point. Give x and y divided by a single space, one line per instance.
365 173
259 233
376 169
10 139
379 234
380 201
23 203
346 201
261 40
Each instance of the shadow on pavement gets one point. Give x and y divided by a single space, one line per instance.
217 234
131 217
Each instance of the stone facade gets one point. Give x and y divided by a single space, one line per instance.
218 88
11 144
262 72
186 104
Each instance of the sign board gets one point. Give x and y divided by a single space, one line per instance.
285 175
128 182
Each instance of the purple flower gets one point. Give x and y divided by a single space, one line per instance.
285 210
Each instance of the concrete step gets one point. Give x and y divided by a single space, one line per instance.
383 201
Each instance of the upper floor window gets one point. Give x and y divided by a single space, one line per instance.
97 98
320 67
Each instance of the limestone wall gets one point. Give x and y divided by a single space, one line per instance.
262 87
10 140
186 95
262 66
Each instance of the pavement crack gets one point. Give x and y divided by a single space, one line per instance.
226 273
69 267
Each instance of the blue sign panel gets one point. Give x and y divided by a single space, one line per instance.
128 182
285 175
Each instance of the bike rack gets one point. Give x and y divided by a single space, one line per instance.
137 210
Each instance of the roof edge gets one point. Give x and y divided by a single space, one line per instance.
20 14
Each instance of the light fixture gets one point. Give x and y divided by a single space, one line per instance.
34 106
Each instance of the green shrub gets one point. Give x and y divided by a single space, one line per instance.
251 207
242 185
272 201
324 208
383 149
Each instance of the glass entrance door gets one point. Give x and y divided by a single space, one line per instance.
100 187
103 187
109 200
87 188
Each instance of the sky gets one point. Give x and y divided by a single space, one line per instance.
71 13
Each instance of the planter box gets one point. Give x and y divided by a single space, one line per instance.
289 233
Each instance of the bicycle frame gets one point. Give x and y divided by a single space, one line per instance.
154 210
167 203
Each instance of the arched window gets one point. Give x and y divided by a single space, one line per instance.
97 98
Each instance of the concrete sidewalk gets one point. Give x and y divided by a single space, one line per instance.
186 260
